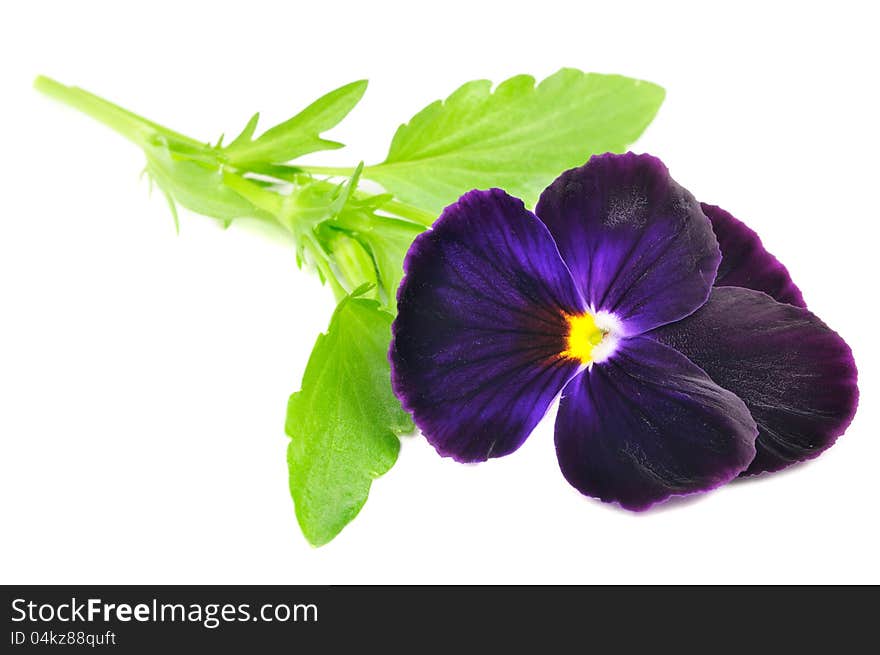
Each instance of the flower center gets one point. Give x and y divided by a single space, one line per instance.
583 336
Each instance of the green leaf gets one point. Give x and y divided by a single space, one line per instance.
196 185
299 135
519 137
344 423
246 134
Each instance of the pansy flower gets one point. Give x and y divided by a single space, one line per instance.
682 349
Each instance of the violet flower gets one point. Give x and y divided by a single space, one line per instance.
605 293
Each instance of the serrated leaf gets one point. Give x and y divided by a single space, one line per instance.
519 137
299 135
344 423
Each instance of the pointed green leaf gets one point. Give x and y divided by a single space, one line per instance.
299 135
344 423
519 137
247 133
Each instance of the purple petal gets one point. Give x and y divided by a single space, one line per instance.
745 262
481 325
636 242
796 375
648 424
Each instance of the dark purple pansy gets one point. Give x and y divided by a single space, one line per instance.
605 294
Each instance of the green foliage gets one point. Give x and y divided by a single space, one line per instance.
195 185
386 240
519 137
352 261
344 423
299 135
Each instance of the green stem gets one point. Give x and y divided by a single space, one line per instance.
133 127
332 171
410 212
140 130
268 201
321 262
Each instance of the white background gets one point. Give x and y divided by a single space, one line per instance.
144 376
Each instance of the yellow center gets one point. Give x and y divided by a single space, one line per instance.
583 336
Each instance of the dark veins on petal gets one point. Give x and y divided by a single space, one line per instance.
795 374
746 263
476 345
648 424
